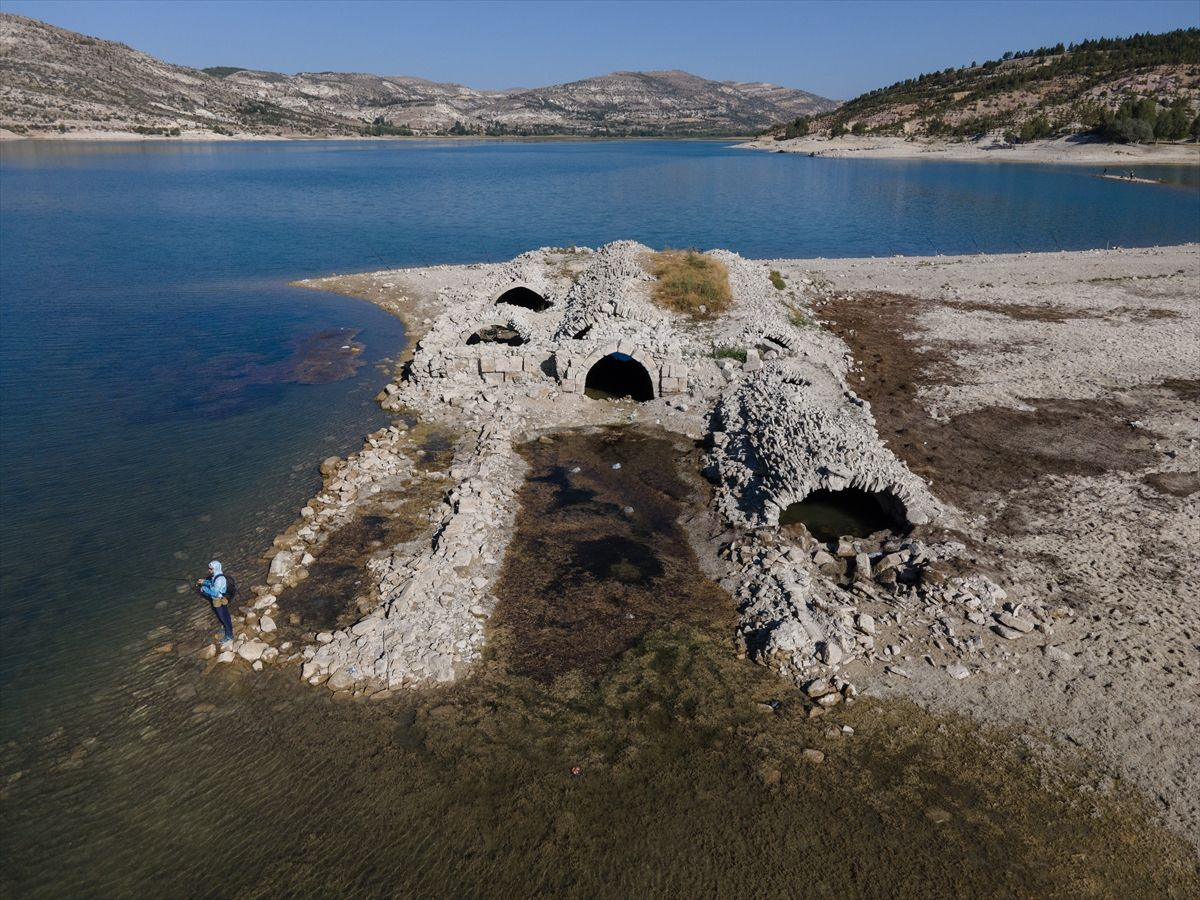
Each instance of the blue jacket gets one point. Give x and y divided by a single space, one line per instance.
215 585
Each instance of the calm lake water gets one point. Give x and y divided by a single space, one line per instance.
155 409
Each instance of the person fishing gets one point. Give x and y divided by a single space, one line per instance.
216 588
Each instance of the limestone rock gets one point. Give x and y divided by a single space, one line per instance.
251 650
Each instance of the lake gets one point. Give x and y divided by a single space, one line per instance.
166 397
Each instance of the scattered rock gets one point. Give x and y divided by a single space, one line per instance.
1014 622
816 757
1010 634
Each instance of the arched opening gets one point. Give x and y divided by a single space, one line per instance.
829 515
524 298
496 334
617 376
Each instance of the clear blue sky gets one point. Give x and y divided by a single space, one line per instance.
835 49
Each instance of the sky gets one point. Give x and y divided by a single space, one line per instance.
834 49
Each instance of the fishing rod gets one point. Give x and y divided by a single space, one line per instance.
175 578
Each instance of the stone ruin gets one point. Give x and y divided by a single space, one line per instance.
511 356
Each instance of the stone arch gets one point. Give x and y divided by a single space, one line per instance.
523 296
621 372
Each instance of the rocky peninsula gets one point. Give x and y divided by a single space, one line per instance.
1024 426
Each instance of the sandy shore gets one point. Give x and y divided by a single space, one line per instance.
1047 401
1063 150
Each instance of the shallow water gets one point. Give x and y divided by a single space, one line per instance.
689 784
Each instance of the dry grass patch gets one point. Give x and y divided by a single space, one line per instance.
689 282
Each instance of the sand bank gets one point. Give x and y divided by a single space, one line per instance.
1063 150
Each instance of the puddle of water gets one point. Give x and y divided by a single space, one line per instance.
829 515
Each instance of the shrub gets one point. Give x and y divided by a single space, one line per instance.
798 318
727 352
777 280
687 281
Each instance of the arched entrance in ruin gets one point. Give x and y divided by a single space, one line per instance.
829 515
524 297
619 375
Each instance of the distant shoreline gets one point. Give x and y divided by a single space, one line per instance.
133 137
1061 151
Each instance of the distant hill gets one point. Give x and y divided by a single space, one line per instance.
1094 86
58 81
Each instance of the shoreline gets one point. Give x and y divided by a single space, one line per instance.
1004 675
1062 151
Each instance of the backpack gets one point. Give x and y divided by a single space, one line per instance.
231 587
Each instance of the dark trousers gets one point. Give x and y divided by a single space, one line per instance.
222 613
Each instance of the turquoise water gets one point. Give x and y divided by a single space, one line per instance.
149 414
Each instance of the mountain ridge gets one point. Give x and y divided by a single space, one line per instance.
1094 86
54 81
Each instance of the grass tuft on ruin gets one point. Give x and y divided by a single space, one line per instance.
691 283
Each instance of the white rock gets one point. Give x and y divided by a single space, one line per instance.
251 650
957 671
266 625
225 656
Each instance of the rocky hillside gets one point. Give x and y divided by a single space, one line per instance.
1089 87
57 81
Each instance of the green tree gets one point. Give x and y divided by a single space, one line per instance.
796 128
1172 124
1035 129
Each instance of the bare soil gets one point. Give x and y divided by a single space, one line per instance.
988 450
